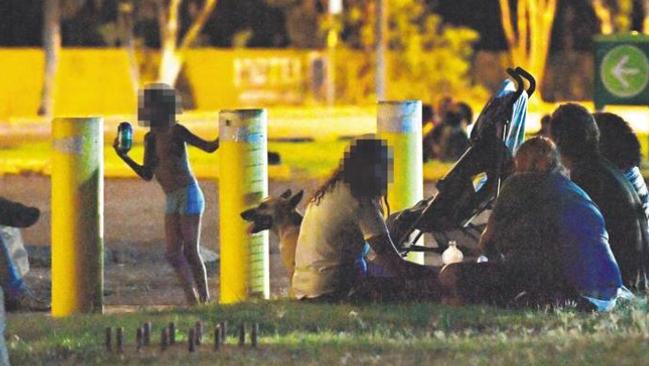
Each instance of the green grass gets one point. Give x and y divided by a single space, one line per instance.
298 333
314 159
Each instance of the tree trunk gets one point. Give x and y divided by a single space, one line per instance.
529 35
52 47
381 35
125 22
172 57
169 59
645 22
604 16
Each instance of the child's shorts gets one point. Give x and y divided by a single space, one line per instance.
186 201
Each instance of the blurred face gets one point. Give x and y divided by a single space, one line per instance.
368 168
157 107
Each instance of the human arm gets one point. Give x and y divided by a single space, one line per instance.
191 139
376 234
144 171
486 244
388 257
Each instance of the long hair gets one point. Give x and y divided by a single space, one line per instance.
617 141
328 185
365 168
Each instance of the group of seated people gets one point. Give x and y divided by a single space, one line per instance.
445 135
569 226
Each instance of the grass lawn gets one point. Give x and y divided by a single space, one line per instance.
313 159
300 160
298 333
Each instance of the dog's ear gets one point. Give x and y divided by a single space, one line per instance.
286 194
297 198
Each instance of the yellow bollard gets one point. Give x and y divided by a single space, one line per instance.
243 182
399 123
77 215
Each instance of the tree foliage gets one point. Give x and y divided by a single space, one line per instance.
427 58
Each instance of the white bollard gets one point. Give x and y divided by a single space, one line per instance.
399 123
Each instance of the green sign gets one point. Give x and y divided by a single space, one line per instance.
622 70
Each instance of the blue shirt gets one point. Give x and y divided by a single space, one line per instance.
549 224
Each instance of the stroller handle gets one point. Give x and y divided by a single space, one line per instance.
520 84
530 79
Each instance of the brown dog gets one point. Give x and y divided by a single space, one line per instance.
278 214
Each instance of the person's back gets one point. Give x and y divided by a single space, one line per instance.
621 209
619 144
577 137
328 244
544 222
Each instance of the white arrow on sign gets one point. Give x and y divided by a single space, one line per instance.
619 71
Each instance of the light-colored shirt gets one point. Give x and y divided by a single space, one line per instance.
333 234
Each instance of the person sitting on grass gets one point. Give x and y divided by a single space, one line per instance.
545 241
14 214
19 296
165 158
344 215
619 144
576 134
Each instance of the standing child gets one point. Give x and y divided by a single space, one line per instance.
165 157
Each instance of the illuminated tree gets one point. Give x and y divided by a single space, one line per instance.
172 51
613 15
172 45
528 30
52 46
427 58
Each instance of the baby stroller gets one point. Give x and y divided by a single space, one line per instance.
473 183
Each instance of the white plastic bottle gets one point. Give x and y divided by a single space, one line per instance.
452 254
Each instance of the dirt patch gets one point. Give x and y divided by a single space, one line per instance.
134 234
136 273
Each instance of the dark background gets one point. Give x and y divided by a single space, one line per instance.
21 23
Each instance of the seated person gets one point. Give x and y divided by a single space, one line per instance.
448 140
344 214
545 127
466 114
619 144
545 239
14 214
427 125
17 294
575 132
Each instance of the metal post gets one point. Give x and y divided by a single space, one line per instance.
399 123
243 183
77 215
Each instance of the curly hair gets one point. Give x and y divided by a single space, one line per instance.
617 141
574 131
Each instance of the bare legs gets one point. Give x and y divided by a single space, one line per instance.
182 240
191 230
